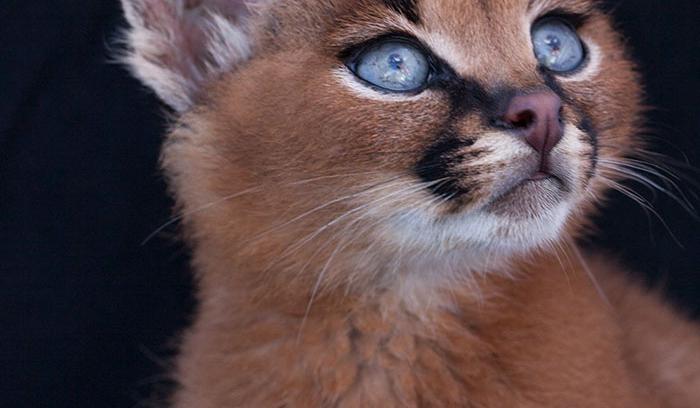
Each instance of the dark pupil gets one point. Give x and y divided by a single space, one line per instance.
553 42
395 61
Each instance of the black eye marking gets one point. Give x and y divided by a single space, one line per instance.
554 85
436 164
586 125
407 8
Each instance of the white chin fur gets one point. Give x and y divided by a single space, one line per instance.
478 231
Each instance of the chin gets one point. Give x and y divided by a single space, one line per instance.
516 224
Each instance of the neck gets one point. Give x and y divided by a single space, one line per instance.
470 337
341 281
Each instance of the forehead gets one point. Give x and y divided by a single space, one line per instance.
469 15
486 8
485 39
488 22
474 35
462 24
461 14
463 19
418 11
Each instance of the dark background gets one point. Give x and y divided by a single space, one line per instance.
88 314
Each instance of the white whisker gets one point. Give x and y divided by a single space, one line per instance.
334 176
587 269
342 244
197 210
628 170
335 221
629 193
372 188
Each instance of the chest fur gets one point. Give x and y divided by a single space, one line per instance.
514 353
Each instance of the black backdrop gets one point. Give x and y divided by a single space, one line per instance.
88 314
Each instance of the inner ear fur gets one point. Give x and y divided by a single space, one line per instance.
175 46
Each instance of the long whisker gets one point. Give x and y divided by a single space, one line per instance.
671 166
400 193
669 178
627 170
204 207
344 243
666 177
311 236
429 206
587 269
334 176
557 248
642 203
372 188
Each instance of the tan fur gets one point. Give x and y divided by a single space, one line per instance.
329 276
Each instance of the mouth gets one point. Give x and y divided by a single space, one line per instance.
531 197
541 175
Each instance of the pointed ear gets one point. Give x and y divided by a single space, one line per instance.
175 46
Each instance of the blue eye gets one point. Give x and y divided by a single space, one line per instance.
393 65
557 45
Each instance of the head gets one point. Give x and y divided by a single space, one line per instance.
316 132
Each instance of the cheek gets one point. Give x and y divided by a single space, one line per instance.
377 129
608 91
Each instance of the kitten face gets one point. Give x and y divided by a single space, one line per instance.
435 164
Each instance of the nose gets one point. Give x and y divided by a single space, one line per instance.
538 116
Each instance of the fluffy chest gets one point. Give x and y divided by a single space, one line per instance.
513 351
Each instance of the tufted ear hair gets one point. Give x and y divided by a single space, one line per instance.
175 46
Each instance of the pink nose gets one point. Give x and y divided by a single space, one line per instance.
538 117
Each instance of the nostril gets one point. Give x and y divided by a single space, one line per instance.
522 119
